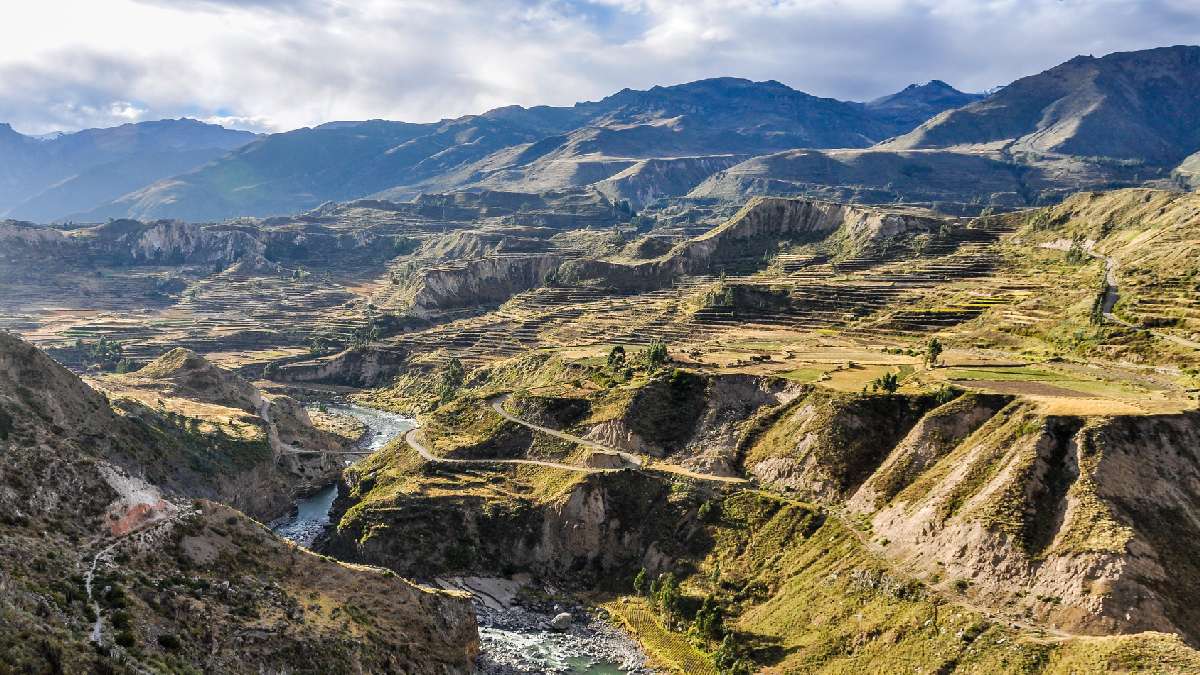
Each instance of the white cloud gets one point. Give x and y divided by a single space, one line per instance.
273 64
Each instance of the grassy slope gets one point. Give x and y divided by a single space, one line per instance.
804 596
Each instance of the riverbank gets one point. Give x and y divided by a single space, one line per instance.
524 628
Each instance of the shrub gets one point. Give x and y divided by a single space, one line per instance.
639 582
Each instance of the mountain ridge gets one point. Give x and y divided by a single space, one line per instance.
511 148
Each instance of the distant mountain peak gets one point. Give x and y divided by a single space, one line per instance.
919 102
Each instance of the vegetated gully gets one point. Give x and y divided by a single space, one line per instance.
514 638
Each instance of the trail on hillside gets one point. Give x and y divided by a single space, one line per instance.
414 441
636 461
1111 294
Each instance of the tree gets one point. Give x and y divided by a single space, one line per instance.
656 355
709 622
365 334
728 658
933 351
668 597
616 358
316 345
888 382
639 582
1076 255
452 378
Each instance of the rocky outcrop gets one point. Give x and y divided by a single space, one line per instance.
605 524
482 281
1086 523
753 232
191 392
355 367
698 424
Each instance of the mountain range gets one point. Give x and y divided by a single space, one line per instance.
1122 119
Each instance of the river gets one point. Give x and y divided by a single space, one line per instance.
514 638
312 512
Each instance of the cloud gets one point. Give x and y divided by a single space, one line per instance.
276 64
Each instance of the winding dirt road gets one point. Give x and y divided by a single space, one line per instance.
631 460
1111 295
414 441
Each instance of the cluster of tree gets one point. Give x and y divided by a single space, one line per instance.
103 354
707 625
1077 254
887 383
653 358
933 352
365 334
719 296
451 379
663 593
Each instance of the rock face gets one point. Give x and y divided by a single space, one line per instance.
355 367
483 281
697 424
602 527
166 579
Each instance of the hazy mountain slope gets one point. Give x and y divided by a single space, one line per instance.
96 165
108 181
513 148
872 176
1142 106
301 169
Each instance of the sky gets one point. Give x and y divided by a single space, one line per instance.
274 65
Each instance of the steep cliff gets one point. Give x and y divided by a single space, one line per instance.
105 571
755 231
481 281
1083 522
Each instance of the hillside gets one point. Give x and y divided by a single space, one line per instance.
918 103
275 452
902 530
106 572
